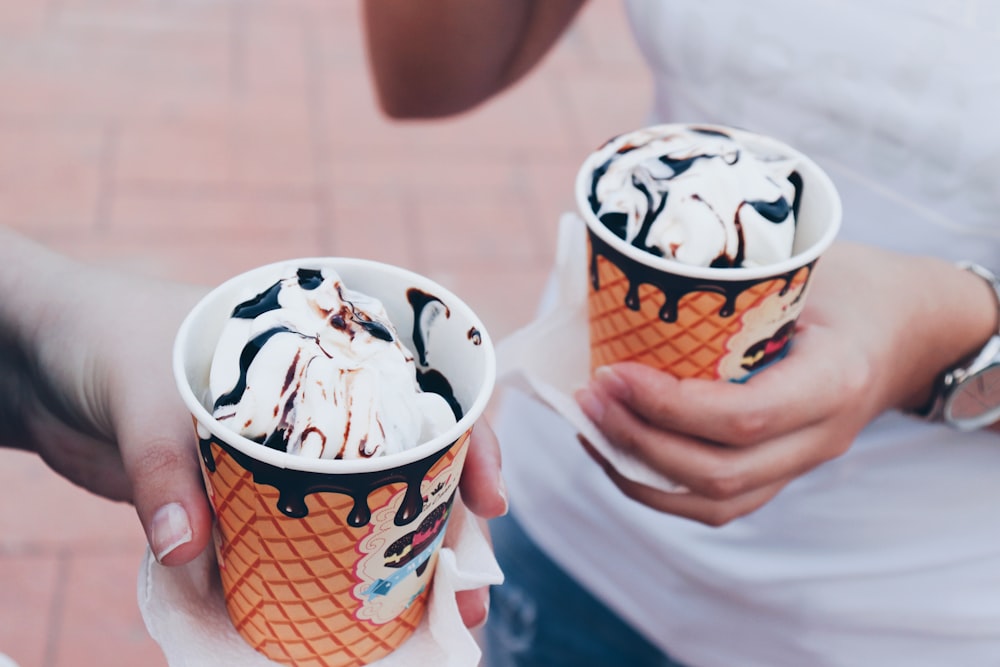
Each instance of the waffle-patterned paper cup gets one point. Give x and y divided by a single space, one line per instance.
328 563
692 321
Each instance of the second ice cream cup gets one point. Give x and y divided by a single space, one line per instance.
329 562
694 321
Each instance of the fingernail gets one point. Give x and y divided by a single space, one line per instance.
591 405
486 615
502 490
170 529
612 382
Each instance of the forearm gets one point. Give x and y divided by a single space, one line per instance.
435 58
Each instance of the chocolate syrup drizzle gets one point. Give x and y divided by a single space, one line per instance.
428 378
419 300
294 485
674 287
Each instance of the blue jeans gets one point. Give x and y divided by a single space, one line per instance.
540 617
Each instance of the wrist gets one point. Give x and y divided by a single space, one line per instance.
962 393
956 317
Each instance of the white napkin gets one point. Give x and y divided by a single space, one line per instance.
550 357
185 612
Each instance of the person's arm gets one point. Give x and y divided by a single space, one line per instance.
440 57
876 331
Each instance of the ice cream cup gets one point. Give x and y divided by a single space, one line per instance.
693 321
329 562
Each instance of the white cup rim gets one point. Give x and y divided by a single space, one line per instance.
284 460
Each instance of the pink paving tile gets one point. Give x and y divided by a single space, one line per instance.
307 11
138 55
105 70
99 623
21 17
42 512
549 192
213 154
527 117
373 227
419 173
133 14
108 71
97 100
476 232
180 259
605 37
28 586
202 237
414 179
274 110
48 525
607 104
50 174
214 216
271 55
438 211
340 40
505 299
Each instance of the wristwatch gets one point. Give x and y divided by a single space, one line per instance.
968 397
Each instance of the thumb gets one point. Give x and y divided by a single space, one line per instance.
167 488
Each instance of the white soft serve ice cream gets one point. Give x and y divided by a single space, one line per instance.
697 196
313 368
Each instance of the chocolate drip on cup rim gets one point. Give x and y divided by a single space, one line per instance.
675 287
294 485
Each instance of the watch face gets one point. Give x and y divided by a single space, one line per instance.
976 402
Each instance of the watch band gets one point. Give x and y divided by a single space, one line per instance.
991 279
934 409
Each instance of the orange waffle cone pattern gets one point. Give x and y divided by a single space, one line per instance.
691 346
289 582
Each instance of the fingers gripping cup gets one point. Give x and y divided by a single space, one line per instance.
331 456
702 240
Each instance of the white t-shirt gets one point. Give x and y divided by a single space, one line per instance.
890 554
